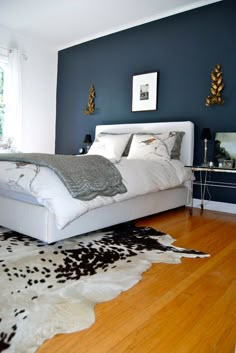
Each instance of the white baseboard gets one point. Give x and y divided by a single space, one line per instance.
216 206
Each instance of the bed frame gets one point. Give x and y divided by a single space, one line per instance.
36 221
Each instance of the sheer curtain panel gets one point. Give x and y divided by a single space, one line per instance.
12 127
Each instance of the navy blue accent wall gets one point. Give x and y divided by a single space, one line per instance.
183 48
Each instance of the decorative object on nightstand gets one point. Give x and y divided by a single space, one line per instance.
228 163
205 135
90 109
88 141
81 151
217 87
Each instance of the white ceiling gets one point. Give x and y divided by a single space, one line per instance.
63 23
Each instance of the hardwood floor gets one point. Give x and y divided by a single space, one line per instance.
184 308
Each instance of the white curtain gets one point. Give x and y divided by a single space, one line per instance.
13 116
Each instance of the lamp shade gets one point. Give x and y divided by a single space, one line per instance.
88 139
206 134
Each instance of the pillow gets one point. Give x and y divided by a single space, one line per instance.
6 145
110 146
145 146
175 153
127 148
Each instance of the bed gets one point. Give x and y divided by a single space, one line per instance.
30 218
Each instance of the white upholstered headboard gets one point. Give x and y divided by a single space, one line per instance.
187 147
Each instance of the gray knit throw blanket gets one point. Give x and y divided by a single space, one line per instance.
84 176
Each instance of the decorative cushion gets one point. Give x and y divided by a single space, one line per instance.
175 153
145 146
110 146
6 145
127 148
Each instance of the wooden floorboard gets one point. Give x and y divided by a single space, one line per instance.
183 308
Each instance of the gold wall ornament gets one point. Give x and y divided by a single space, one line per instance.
217 87
90 108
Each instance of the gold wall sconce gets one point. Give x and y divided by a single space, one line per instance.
90 108
217 87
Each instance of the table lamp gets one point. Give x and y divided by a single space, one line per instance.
205 135
88 141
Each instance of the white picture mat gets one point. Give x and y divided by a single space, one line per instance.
149 79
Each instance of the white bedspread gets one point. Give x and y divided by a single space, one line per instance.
139 176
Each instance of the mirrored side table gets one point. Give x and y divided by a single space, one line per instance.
204 180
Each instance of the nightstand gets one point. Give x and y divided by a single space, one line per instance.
204 180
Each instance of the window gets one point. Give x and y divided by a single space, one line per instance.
10 97
3 80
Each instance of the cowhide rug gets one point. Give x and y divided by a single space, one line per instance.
50 289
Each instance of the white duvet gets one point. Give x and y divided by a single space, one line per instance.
139 176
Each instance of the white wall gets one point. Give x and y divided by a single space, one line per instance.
39 78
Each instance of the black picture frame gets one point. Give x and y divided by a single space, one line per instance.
145 91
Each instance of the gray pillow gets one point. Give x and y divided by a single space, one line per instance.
127 148
175 153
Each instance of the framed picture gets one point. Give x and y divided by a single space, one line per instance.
224 147
228 164
144 92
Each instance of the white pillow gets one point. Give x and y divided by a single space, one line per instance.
6 145
110 146
152 146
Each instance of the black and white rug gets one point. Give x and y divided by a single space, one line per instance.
50 289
